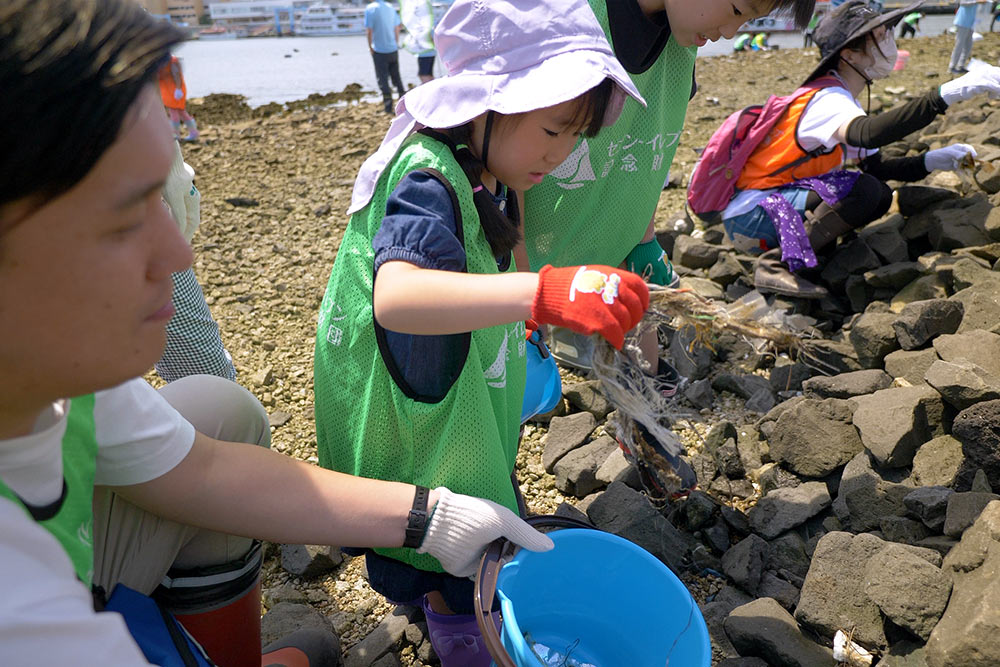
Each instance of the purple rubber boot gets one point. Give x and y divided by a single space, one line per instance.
456 638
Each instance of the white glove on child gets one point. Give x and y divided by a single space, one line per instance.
948 158
178 93
461 528
981 80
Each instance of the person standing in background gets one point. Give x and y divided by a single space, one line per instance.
173 92
382 25
965 18
419 19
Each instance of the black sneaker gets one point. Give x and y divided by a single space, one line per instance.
663 475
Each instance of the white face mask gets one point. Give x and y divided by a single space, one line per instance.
883 58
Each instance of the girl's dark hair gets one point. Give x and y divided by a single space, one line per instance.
501 231
69 70
800 10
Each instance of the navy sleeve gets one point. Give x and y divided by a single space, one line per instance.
420 226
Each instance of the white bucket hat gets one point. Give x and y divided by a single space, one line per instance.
507 56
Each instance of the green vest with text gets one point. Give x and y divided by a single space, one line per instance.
73 523
595 207
365 423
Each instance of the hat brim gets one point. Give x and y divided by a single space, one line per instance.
889 18
455 100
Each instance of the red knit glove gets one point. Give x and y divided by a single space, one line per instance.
590 299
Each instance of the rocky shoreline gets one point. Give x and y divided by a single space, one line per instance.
855 500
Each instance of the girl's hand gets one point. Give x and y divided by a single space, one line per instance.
589 299
461 527
948 158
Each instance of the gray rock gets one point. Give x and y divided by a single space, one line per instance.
865 496
894 422
743 662
615 467
873 337
937 462
968 272
852 258
915 199
784 509
715 614
566 434
761 401
910 365
700 393
788 375
836 356
788 553
793 440
772 586
833 594
909 590
963 509
885 239
904 654
978 346
587 397
847 385
576 472
285 618
959 223
980 482
387 636
308 561
963 383
727 457
744 386
893 276
978 429
694 253
771 476
764 629
982 307
698 509
929 504
627 513
922 321
726 270
901 529
389 660
966 636
744 563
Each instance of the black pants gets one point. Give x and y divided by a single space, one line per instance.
907 30
386 66
868 200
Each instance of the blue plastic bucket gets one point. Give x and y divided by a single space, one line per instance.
607 600
542 385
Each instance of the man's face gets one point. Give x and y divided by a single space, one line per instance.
85 287
696 22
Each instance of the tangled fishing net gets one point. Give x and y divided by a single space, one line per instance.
636 396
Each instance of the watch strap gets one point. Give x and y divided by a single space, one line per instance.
416 524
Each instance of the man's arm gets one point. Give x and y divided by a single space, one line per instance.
368 31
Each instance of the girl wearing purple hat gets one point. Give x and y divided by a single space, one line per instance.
420 351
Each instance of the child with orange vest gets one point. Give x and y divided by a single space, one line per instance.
173 91
793 196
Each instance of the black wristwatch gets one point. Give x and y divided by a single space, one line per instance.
416 524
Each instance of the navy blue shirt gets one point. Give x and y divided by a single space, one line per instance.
420 227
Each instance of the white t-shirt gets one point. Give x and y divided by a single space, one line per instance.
46 614
826 112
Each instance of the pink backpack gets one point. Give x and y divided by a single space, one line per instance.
713 183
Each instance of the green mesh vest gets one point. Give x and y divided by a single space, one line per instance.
73 524
595 207
365 424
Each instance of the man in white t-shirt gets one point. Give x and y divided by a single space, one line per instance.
102 479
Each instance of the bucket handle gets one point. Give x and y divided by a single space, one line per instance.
489 572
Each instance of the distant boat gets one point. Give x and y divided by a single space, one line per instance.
218 32
321 20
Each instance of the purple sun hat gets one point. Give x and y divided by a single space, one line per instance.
508 56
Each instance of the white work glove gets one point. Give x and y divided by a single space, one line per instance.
461 528
178 93
948 158
182 196
980 80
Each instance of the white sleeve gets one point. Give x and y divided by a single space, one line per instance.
140 436
826 112
46 614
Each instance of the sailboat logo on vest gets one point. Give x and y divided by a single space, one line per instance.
575 170
496 374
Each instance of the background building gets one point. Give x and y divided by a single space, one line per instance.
182 12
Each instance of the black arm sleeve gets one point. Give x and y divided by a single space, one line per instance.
907 169
885 128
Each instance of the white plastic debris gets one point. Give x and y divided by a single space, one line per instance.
850 653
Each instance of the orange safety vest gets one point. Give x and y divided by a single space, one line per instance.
781 148
167 86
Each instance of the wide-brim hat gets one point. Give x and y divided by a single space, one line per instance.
846 23
507 56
